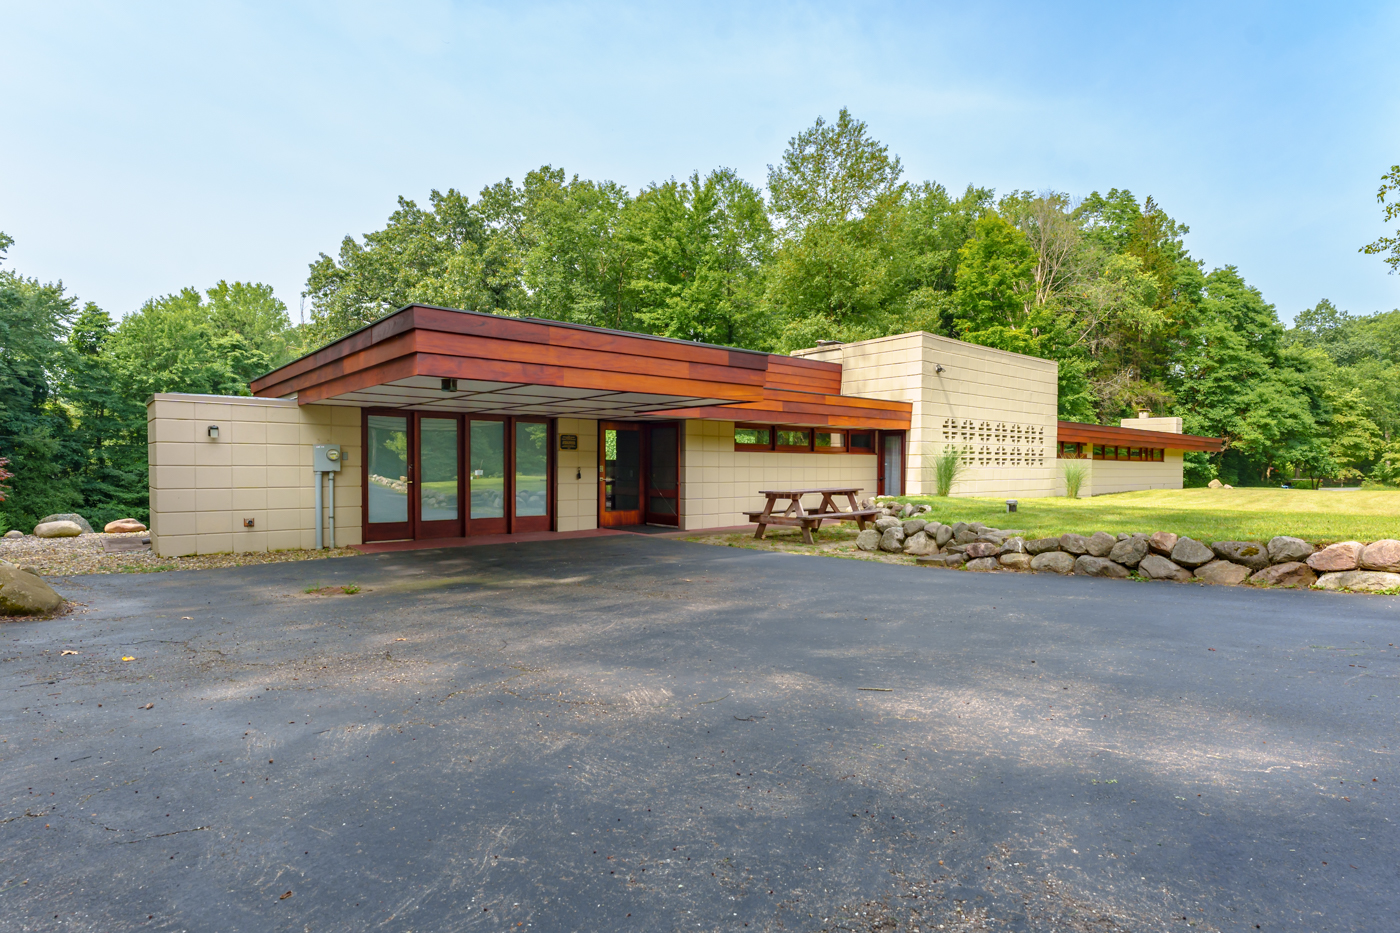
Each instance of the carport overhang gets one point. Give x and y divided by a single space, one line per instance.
425 358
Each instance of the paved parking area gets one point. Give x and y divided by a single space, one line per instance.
642 734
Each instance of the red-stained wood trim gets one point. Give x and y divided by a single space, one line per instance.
400 368
1135 437
535 374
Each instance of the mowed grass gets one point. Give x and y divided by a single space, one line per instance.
1318 516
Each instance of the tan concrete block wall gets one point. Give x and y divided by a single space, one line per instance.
259 467
720 484
1003 405
1110 476
1169 425
577 480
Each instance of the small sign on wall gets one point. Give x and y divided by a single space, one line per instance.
568 442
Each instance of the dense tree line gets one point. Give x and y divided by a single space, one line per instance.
839 245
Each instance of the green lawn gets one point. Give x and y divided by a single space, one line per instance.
1318 516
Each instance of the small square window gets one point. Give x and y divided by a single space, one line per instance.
830 440
861 442
793 439
753 437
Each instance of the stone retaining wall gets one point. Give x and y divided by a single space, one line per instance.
1282 561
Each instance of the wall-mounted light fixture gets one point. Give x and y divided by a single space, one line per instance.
214 431
247 523
938 367
578 474
449 385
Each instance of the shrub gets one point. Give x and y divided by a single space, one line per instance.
945 468
1074 474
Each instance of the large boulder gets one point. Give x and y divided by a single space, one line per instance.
1360 581
14 533
1285 550
1250 553
1042 545
1091 566
919 545
123 526
886 523
73 517
1100 544
1337 558
1293 573
59 529
24 594
913 526
1157 567
892 540
982 564
1074 544
868 540
943 535
1190 553
1223 573
1215 484
1053 561
1382 555
979 549
1130 551
1162 543
1015 561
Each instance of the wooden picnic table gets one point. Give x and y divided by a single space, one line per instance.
795 515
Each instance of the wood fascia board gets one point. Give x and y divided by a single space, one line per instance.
469 347
456 367
398 345
1107 434
762 413
845 401
355 342
366 378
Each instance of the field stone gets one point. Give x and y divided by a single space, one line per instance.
1382 555
1100 544
943 535
982 564
956 548
908 510
1091 566
14 533
1042 545
979 549
1362 581
868 540
1015 545
1157 567
1190 553
123 526
954 561
1337 558
1284 549
966 536
883 524
892 540
1130 551
1015 561
24 594
1223 573
919 545
1162 543
1074 544
977 526
1293 573
73 517
959 526
913 526
1215 484
1252 554
59 529
1053 562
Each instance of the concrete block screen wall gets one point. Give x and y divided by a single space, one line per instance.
203 488
719 484
999 407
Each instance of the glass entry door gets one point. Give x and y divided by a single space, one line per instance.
439 477
620 486
891 479
388 477
663 493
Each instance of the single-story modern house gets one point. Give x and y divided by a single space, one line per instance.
443 424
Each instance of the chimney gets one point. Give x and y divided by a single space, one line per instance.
1144 413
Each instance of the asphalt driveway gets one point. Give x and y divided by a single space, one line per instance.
643 734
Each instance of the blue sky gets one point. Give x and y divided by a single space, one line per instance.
149 147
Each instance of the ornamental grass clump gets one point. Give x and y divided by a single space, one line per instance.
1074 474
947 468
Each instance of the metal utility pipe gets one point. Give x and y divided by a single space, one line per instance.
320 520
330 509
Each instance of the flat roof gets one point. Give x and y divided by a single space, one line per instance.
1075 431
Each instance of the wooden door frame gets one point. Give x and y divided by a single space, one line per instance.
458 526
602 472
880 460
387 531
545 522
489 526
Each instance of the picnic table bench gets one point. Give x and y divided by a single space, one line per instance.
796 516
